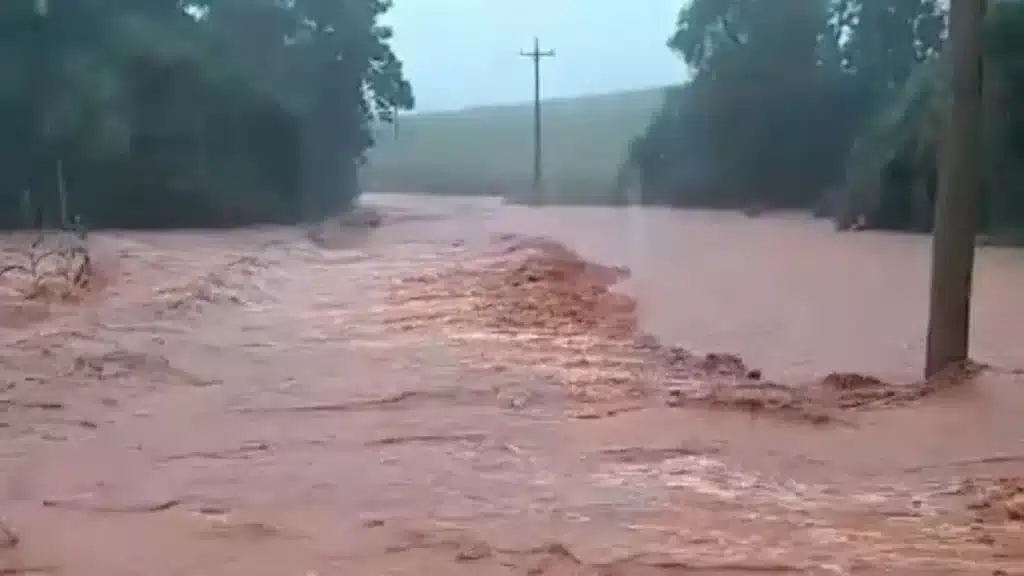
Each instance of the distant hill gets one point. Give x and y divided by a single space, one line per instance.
489 150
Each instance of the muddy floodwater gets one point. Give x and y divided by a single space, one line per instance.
477 388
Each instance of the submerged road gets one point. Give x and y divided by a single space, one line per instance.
474 388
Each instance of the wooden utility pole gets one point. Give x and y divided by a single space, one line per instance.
538 158
961 182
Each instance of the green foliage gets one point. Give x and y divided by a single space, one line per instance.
490 150
781 89
1006 49
894 161
173 114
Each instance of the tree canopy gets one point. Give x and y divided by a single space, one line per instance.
833 105
171 113
779 90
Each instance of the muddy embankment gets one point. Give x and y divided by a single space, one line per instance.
553 310
562 311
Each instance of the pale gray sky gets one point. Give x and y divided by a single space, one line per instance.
461 53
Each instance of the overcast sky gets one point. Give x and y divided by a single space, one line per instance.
460 53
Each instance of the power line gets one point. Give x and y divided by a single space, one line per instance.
538 159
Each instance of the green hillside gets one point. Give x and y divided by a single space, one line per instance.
489 150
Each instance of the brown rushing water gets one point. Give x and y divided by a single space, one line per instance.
431 397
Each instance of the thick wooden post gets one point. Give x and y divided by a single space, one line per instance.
961 181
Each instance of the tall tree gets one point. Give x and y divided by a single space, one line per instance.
763 100
237 89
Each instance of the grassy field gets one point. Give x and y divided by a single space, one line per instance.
490 150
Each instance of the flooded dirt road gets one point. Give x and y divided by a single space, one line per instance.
458 392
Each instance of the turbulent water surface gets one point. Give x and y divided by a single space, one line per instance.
475 388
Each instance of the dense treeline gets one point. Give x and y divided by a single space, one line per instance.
831 105
780 90
164 113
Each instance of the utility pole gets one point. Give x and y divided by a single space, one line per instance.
538 159
961 183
